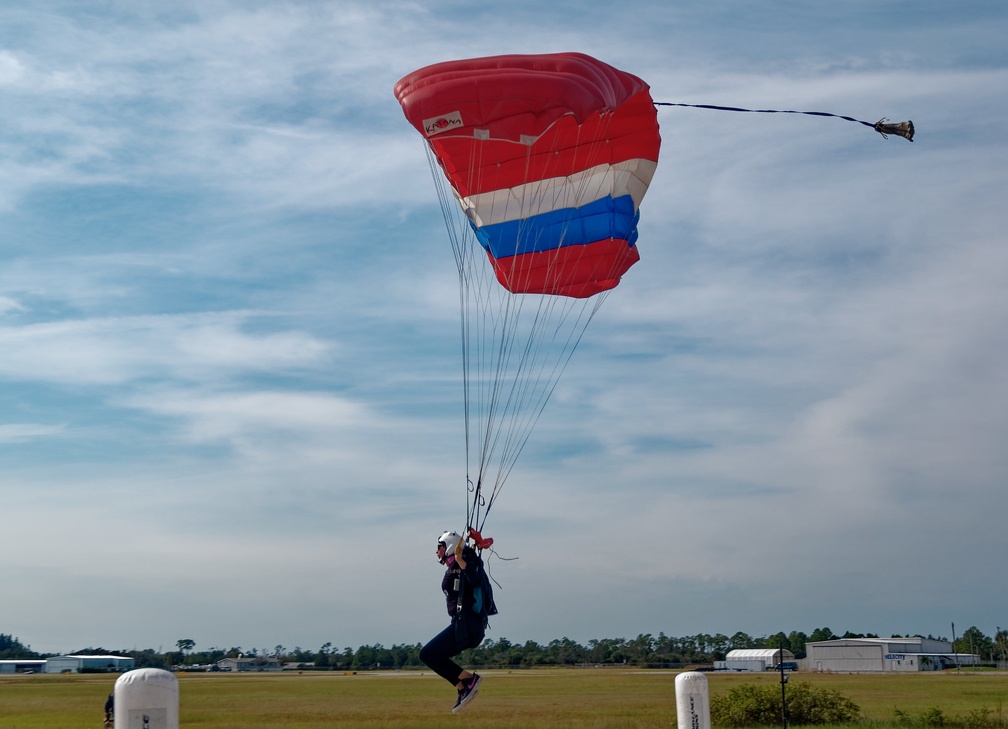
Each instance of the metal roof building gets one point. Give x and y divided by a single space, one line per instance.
754 659
77 664
23 665
865 655
245 663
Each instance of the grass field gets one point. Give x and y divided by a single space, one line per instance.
562 698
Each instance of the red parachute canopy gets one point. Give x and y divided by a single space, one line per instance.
540 163
549 157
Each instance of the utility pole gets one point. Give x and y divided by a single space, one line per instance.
954 651
783 683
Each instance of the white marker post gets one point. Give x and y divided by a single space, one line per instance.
692 701
147 698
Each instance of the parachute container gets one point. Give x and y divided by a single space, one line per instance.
147 698
540 163
692 701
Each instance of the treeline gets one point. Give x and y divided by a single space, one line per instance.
645 650
11 649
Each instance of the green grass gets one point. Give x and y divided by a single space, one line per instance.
561 698
879 695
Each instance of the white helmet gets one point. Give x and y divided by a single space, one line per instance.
450 540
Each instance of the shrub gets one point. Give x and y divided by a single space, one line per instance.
751 705
982 718
932 717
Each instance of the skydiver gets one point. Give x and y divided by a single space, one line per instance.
467 626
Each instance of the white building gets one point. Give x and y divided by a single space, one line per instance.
863 655
754 659
76 664
23 665
243 663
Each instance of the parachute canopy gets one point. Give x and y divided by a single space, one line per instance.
540 164
548 157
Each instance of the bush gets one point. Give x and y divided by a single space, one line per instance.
932 717
982 718
752 705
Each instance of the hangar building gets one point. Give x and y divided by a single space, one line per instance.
862 655
68 664
76 664
23 665
754 659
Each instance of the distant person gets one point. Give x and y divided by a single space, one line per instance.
109 709
462 585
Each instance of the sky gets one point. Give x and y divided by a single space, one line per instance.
230 391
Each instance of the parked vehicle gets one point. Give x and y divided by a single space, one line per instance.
785 666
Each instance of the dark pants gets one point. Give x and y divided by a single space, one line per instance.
451 641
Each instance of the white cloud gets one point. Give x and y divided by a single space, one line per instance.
313 418
20 432
122 349
8 304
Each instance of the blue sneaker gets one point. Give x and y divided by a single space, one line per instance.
468 692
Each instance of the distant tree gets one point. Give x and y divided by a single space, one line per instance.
404 656
797 641
365 659
692 647
701 644
297 655
533 654
99 651
184 644
147 658
322 656
974 641
1001 645
639 650
821 634
719 647
740 641
346 659
779 640
599 651
666 650
211 655
499 653
12 648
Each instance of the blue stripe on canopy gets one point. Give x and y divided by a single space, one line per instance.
605 218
